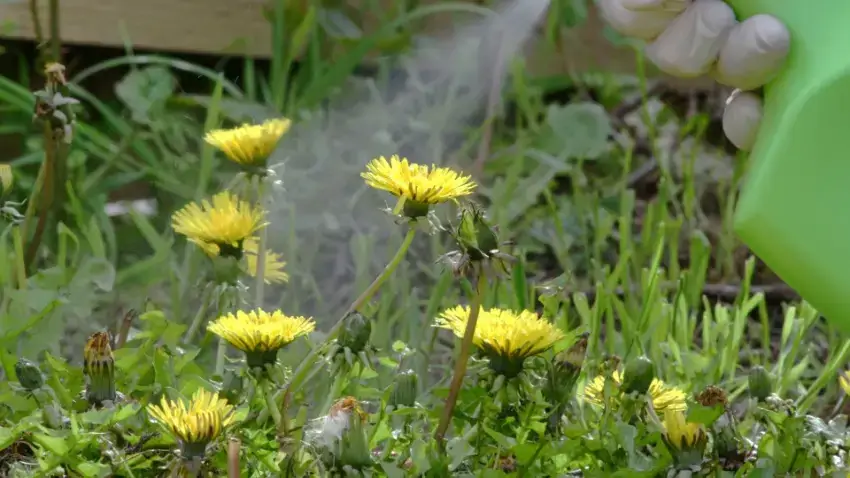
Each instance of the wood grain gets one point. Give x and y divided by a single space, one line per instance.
239 27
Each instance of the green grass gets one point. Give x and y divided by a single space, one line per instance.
655 276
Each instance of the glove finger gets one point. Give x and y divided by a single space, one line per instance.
644 24
691 43
675 6
742 118
753 52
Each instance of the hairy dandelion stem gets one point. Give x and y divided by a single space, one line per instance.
199 317
20 266
337 386
382 277
271 404
46 192
220 356
462 359
306 365
233 469
226 302
261 251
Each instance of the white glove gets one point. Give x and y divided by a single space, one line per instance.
690 38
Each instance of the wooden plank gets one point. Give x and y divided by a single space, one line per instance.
239 27
208 26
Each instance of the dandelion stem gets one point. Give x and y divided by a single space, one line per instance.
261 252
462 359
271 404
336 388
46 193
233 458
382 277
199 317
20 266
305 366
533 459
226 302
221 354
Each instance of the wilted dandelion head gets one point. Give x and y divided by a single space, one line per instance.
506 337
348 405
97 353
261 334
330 428
664 397
99 367
225 222
679 432
273 271
712 396
249 145
417 183
195 424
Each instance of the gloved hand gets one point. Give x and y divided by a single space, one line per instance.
689 38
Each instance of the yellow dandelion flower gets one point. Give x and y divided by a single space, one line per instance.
225 221
196 424
261 334
844 381
506 337
249 145
6 177
418 184
274 263
274 272
664 397
680 433
210 249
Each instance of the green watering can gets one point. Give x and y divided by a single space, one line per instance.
794 211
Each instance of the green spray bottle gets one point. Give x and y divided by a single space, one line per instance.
794 210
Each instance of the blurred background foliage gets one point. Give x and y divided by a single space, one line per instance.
579 169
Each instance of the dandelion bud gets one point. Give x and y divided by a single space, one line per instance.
232 386
415 209
638 375
728 445
100 369
404 390
609 364
355 333
29 375
565 371
685 440
476 237
226 269
760 383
